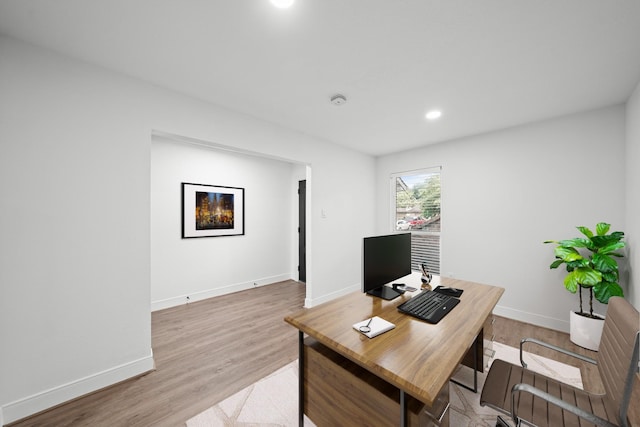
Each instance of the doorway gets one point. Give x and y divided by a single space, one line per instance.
302 235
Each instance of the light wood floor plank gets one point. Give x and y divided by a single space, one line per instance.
204 352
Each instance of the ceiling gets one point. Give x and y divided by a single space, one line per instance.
487 64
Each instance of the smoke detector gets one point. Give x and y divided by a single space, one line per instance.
338 99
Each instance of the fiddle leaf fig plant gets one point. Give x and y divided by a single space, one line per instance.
591 263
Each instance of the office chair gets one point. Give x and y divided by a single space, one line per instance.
536 400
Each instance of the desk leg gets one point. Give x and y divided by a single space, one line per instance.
475 346
403 409
475 365
300 379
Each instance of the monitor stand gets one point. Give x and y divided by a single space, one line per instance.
385 292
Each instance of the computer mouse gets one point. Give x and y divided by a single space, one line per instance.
449 291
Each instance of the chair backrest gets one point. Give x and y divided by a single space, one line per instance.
618 353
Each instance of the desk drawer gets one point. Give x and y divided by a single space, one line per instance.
338 392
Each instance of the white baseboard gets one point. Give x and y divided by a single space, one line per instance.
223 290
535 319
311 302
47 399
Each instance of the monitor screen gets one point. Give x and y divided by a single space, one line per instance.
384 259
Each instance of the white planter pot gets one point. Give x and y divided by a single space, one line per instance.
585 331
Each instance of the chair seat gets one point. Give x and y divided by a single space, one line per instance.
503 376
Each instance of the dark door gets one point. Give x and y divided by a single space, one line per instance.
302 237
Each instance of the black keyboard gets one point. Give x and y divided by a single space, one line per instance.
429 306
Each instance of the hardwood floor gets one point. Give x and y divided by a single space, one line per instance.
208 350
204 352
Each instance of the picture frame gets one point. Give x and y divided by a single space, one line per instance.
212 210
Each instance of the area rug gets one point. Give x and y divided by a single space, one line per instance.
273 401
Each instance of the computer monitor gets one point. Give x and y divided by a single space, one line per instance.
384 259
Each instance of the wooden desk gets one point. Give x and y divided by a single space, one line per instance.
416 357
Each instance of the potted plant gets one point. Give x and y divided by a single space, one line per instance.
591 264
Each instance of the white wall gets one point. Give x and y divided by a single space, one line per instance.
632 198
75 250
506 192
206 267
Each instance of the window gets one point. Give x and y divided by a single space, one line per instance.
416 208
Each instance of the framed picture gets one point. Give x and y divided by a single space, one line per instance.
212 211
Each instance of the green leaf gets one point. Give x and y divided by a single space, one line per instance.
571 283
600 242
567 254
610 276
556 263
578 242
602 228
604 263
606 290
586 276
611 247
577 263
618 235
584 230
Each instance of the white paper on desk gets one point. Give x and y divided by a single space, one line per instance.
378 326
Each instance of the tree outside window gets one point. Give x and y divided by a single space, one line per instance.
417 209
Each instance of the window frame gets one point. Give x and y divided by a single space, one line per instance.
393 207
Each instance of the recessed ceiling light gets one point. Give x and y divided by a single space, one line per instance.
433 114
282 4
